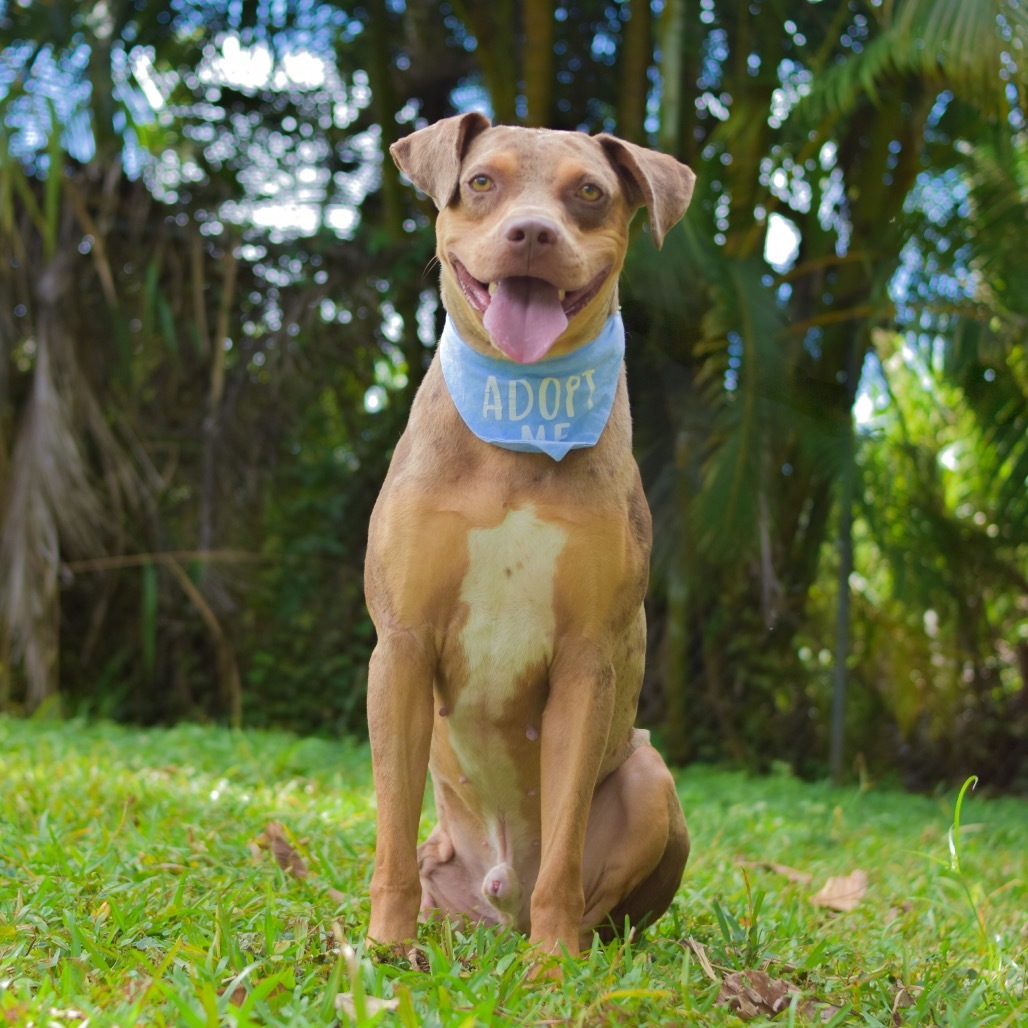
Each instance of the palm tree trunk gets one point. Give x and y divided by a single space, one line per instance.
383 98
635 64
211 491
537 18
675 664
672 55
212 425
842 612
5 668
494 27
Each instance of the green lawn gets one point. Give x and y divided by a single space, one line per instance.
137 887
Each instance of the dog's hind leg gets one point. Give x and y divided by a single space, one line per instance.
636 846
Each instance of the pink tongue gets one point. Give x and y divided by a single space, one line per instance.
525 318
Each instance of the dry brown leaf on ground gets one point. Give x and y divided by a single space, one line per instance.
894 913
418 959
238 997
906 996
276 838
843 893
800 877
750 994
372 1005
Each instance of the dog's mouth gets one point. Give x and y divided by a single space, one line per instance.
524 315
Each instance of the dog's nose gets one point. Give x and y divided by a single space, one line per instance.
531 233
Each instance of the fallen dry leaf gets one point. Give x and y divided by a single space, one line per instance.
894 913
907 996
135 988
274 838
843 893
238 997
750 994
372 1005
418 960
800 877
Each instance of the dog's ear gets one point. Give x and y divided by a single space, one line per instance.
657 181
431 157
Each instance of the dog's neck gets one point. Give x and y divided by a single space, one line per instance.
552 406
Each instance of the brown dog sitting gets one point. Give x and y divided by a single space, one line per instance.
509 553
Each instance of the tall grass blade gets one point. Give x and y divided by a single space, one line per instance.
954 832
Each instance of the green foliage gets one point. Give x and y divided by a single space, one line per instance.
232 387
134 891
940 565
951 43
308 635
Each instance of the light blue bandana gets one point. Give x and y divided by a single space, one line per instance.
552 406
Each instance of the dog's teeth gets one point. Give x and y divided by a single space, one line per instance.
493 286
561 293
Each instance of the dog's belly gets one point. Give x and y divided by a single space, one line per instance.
486 751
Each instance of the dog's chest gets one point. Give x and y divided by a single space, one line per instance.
497 674
508 592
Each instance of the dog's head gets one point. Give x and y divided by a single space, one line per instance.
533 226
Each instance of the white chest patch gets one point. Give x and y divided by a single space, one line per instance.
509 592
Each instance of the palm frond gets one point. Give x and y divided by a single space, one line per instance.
742 341
960 45
50 502
965 40
999 197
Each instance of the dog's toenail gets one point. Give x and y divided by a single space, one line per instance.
443 711
532 733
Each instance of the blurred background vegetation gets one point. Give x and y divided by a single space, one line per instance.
216 304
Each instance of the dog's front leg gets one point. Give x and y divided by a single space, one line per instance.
400 710
576 722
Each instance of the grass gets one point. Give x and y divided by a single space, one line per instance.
134 890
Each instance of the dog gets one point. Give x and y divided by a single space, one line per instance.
508 557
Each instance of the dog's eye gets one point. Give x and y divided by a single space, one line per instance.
590 192
481 184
